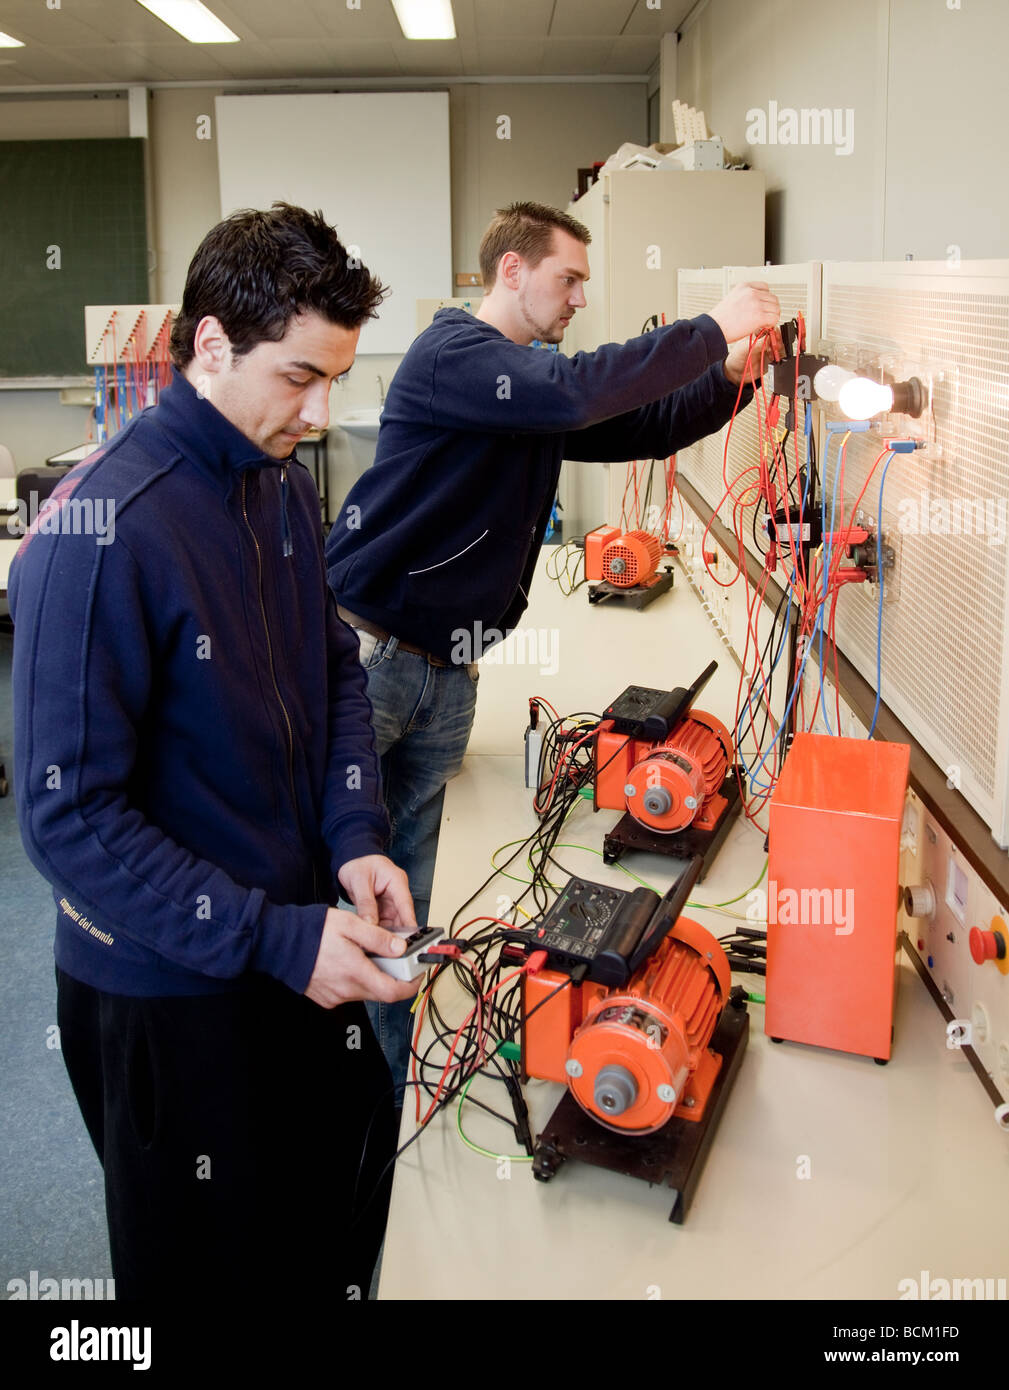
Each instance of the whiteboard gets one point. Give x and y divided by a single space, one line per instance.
375 163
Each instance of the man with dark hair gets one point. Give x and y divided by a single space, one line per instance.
439 539
197 778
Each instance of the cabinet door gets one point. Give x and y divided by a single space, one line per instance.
662 222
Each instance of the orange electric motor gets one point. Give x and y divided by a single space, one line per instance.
635 1054
666 786
624 559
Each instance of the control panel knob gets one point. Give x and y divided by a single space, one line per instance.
919 900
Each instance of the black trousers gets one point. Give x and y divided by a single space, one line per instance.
245 1139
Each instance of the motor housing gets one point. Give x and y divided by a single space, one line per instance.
636 1054
666 786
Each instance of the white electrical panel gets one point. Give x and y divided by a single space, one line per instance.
944 651
945 640
698 291
945 648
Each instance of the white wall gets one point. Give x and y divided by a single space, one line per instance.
34 425
375 164
924 84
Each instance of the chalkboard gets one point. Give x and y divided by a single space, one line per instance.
77 205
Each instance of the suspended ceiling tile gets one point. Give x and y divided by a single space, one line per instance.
513 18
119 21
365 59
658 21
430 58
12 76
135 65
36 27
271 19
632 55
35 65
511 57
590 17
376 19
280 58
465 18
566 56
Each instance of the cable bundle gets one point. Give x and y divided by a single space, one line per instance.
804 615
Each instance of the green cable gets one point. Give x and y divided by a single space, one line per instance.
487 1153
743 894
599 854
644 883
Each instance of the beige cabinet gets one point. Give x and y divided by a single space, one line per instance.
645 227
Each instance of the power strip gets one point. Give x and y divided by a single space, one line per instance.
408 966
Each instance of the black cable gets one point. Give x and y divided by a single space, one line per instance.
498 1015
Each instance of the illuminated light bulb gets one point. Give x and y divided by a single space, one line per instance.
828 381
862 398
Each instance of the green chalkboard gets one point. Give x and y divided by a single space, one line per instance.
86 198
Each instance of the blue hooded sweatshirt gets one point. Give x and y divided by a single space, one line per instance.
193 750
437 542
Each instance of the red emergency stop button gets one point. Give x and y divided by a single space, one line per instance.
986 945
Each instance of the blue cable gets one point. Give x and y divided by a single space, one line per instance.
879 581
833 427
758 691
826 559
788 708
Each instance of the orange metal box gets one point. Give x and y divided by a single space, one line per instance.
832 891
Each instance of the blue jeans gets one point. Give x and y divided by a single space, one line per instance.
422 716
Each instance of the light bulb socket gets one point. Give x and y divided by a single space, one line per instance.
909 397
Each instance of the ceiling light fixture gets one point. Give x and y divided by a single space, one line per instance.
425 19
191 19
7 42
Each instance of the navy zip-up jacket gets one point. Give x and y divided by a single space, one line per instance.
438 541
193 748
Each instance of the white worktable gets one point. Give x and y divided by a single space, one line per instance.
908 1170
